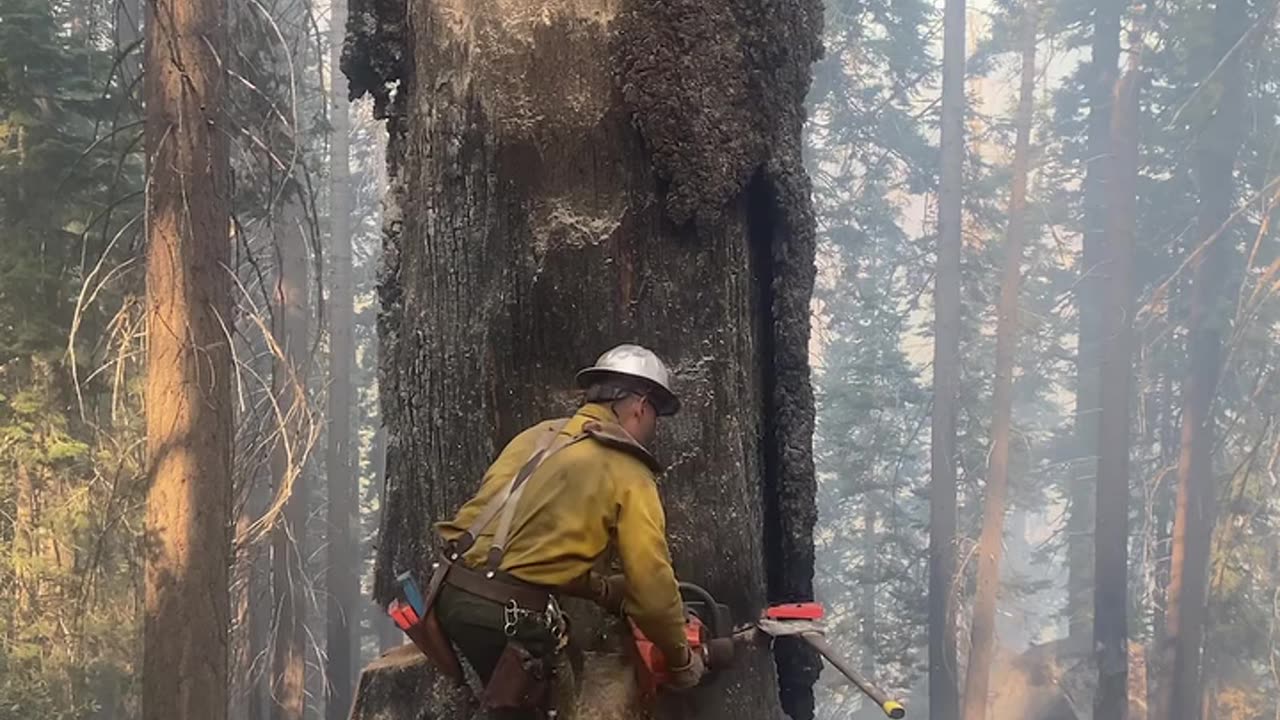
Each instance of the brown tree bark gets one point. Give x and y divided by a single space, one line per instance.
341 579
1111 532
944 683
187 610
290 318
1216 150
1089 297
567 176
982 643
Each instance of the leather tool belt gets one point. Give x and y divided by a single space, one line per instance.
501 588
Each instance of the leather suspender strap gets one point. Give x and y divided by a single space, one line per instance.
490 511
499 544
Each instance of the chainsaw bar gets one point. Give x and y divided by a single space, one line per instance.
789 628
807 626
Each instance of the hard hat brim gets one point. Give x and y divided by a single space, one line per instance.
664 401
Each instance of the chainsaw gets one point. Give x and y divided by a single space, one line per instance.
708 631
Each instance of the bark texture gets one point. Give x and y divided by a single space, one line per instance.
1104 69
1111 533
982 636
341 580
187 610
944 683
569 175
1215 153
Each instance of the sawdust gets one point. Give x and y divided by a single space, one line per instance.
561 221
397 658
402 684
607 690
520 18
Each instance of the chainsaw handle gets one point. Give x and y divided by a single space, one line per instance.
717 622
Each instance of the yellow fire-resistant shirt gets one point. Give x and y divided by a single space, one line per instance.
578 501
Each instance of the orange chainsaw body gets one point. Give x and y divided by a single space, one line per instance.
651 666
707 630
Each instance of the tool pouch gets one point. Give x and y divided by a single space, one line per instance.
431 640
430 637
520 680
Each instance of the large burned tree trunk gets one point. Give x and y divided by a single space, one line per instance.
569 175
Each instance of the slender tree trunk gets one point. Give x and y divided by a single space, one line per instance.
25 543
555 193
1215 153
1089 297
253 607
128 29
944 685
241 691
254 672
1167 433
341 574
870 541
189 377
289 538
389 636
982 642
1111 533
253 492
259 597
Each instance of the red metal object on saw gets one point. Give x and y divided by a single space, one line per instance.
795 611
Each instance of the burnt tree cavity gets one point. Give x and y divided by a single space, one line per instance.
783 269
569 174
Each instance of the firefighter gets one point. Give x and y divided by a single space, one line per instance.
572 488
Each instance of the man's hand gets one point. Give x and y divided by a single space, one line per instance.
612 593
690 674
607 591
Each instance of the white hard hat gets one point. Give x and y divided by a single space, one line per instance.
637 362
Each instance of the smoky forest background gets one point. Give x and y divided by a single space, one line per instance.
1043 352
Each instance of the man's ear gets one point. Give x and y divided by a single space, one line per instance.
629 407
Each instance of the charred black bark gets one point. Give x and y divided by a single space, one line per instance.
784 283
374 55
545 205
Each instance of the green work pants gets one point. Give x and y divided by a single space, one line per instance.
475 625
